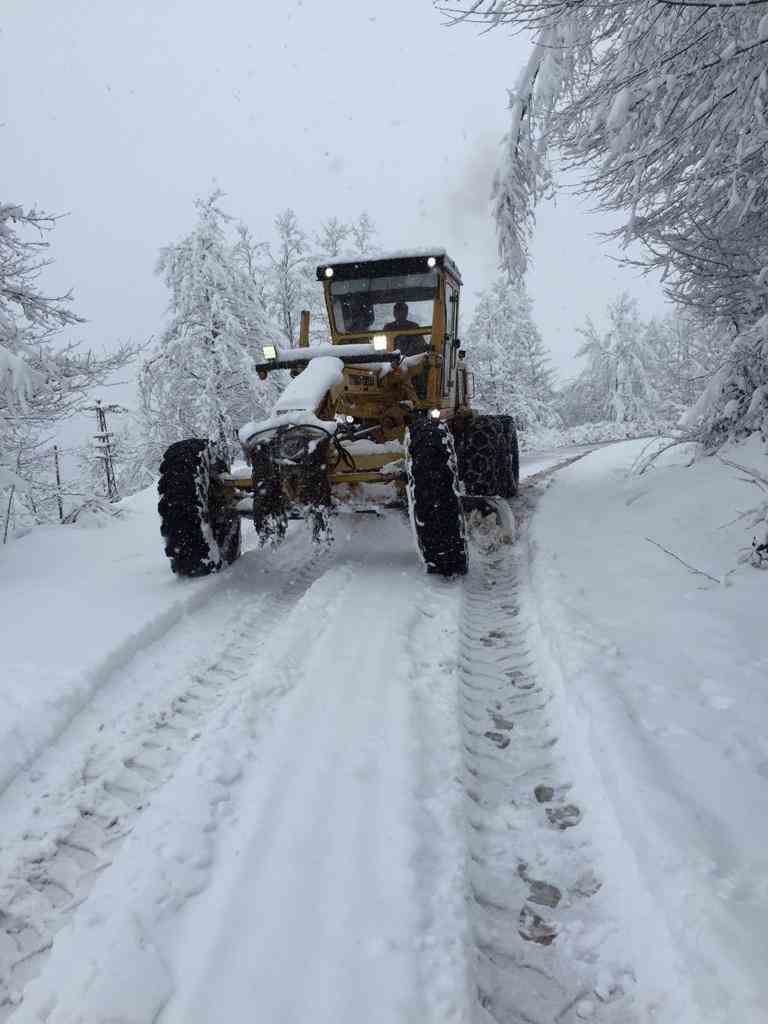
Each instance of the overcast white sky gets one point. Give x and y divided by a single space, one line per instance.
121 113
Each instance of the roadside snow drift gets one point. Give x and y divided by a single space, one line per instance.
77 603
664 676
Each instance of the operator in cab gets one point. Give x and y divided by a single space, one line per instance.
409 345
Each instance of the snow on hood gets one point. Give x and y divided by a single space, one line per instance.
298 404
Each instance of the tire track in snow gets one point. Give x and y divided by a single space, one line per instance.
538 925
336 866
72 831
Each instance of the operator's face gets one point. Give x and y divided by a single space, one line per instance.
401 311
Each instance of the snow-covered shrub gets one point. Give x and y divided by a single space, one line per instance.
92 514
735 403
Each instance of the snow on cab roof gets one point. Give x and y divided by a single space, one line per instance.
395 254
358 265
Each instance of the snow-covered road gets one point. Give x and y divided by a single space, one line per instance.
325 787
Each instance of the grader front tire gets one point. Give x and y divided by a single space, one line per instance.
433 498
201 533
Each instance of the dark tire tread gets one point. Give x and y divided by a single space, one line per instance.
489 458
434 501
201 535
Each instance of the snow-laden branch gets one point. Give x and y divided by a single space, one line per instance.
660 111
18 381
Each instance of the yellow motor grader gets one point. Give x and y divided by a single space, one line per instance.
378 418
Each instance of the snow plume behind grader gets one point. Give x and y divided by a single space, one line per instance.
378 419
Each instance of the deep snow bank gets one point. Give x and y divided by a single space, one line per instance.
664 676
76 603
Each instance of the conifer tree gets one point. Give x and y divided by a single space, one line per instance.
200 381
512 366
617 383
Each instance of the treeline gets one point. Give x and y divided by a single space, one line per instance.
637 375
229 294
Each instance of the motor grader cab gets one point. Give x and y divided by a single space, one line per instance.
380 418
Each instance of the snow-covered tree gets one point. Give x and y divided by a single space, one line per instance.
363 232
292 284
291 287
510 362
42 380
331 237
686 356
661 110
617 383
735 402
200 380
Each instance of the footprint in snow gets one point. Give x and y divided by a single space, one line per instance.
534 928
497 738
563 817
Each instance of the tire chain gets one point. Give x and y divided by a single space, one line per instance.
199 537
433 498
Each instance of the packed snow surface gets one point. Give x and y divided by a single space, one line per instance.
77 603
323 786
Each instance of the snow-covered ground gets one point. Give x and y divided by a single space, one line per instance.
663 681
324 787
533 462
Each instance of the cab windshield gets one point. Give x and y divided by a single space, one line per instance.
368 304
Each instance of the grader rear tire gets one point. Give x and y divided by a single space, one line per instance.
484 457
201 533
509 458
433 498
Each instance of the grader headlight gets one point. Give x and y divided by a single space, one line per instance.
270 352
